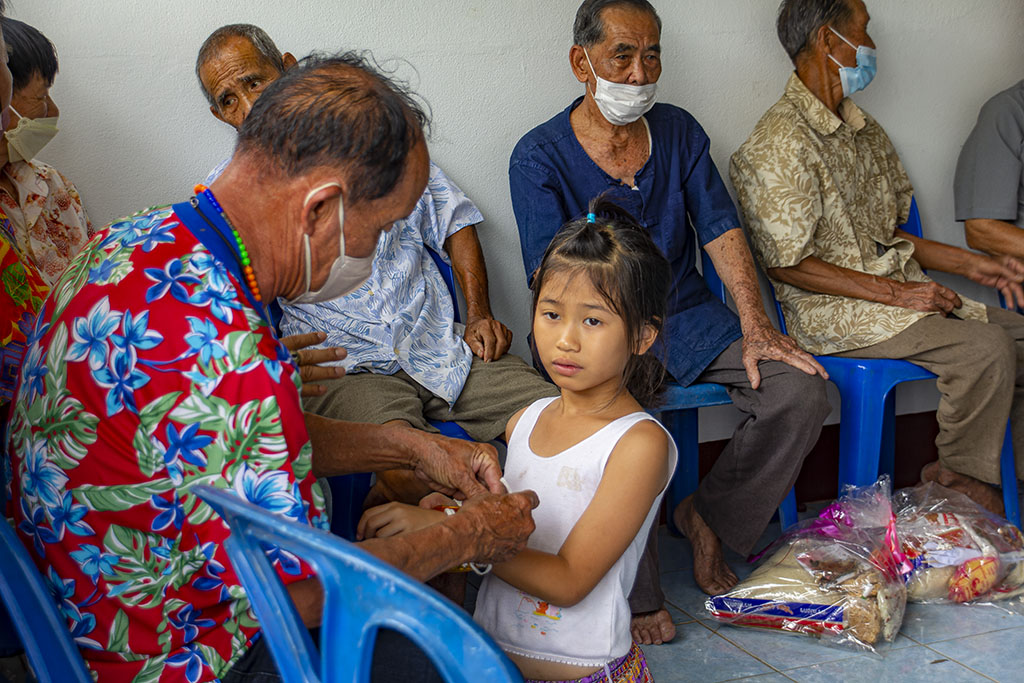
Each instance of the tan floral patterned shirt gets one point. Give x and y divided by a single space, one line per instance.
48 219
812 184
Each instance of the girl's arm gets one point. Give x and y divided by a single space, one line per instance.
636 472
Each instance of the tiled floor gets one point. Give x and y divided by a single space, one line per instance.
937 642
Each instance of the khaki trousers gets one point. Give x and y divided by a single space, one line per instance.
980 368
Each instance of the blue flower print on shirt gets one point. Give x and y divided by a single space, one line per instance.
270 490
205 340
172 512
42 479
94 561
32 525
102 272
170 279
33 370
191 659
91 332
187 445
68 515
188 620
219 295
134 333
122 379
155 235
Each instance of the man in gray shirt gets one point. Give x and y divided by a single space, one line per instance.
989 185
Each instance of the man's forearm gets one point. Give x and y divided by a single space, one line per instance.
467 257
731 256
995 237
816 275
347 447
425 553
938 256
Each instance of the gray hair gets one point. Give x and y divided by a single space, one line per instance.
254 34
799 21
588 28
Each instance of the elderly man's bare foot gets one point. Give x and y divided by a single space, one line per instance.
985 495
652 628
710 571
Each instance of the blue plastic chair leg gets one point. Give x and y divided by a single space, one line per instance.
682 425
887 454
787 511
1008 468
860 442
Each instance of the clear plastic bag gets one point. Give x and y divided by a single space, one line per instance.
958 550
837 577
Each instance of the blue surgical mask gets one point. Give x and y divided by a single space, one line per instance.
856 78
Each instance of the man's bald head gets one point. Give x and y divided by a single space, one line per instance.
338 111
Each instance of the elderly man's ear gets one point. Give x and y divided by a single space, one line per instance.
289 60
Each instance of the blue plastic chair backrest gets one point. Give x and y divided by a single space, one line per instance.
714 282
912 226
449 280
361 595
43 631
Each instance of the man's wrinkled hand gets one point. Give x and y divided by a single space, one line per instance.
501 524
767 343
309 360
487 338
1004 273
457 467
929 297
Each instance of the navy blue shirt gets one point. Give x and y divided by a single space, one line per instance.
679 197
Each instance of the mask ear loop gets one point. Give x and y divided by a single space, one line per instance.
305 236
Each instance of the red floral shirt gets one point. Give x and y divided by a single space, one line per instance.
146 373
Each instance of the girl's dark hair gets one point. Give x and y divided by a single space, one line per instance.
628 271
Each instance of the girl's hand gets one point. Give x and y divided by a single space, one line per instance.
392 519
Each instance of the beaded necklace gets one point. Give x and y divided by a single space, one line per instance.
243 254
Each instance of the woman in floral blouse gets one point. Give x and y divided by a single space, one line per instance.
44 208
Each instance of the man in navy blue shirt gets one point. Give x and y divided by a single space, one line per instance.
654 160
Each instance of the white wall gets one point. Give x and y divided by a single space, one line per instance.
135 129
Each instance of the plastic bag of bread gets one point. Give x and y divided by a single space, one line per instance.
837 577
959 551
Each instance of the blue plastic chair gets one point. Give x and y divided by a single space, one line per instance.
362 594
349 491
39 625
867 413
679 415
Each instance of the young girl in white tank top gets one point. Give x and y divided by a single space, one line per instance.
597 461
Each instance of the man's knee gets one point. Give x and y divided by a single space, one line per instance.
796 395
995 351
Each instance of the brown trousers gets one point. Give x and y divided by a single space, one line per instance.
980 368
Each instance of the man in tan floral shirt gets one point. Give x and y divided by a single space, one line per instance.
823 191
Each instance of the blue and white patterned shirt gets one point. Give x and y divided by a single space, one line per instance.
403 316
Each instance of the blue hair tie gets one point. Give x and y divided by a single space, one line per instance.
591 218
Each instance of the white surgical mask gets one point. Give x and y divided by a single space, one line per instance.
622 103
347 274
28 138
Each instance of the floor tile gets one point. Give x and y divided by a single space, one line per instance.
698 654
786 650
765 678
997 654
915 664
933 623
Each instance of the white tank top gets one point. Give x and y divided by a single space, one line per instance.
595 630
